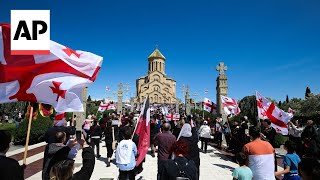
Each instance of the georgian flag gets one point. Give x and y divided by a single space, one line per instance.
209 106
230 105
106 106
268 110
60 119
172 117
291 112
56 79
279 119
262 105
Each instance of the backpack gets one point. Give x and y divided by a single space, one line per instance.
183 175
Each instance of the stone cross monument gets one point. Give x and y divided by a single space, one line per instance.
222 85
81 116
119 104
187 101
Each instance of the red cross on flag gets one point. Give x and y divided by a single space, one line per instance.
262 105
106 106
56 79
279 119
268 110
209 106
291 112
230 105
173 117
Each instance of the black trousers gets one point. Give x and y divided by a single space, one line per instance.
204 141
160 167
96 142
109 150
124 174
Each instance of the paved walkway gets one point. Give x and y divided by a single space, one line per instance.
214 165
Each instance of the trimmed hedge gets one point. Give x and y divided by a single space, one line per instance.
38 129
11 127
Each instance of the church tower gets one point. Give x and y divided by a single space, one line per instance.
156 62
160 88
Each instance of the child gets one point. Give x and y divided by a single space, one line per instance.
243 172
290 162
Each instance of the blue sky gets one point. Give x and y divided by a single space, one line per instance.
271 46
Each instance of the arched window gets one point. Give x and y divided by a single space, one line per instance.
156 88
156 98
151 99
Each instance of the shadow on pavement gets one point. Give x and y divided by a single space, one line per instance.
224 167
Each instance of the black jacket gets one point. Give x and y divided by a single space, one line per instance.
171 169
50 151
193 151
10 169
88 161
95 131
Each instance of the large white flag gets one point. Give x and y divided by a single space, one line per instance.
268 110
230 105
262 105
56 79
106 106
209 106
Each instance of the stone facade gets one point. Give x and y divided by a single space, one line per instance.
222 85
156 84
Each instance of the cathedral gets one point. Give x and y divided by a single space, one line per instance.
156 84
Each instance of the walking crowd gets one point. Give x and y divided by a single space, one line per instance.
176 145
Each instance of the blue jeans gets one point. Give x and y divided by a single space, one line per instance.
291 177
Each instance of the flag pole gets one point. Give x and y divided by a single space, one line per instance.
28 135
203 110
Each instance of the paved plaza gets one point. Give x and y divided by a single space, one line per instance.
214 164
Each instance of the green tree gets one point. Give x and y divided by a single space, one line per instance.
248 106
89 99
287 99
308 92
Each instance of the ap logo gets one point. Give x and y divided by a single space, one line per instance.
30 32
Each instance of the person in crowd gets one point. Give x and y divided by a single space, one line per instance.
218 132
96 136
205 136
87 124
125 157
55 147
295 129
226 132
243 172
309 168
189 135
311 142
269 132
123 129
177 128
58 126
61 168
164 141
153 131
290 162
9 168
108 133
180 167
260 156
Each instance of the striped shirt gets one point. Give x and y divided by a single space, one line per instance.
260 159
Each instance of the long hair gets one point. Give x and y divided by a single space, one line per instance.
62 170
